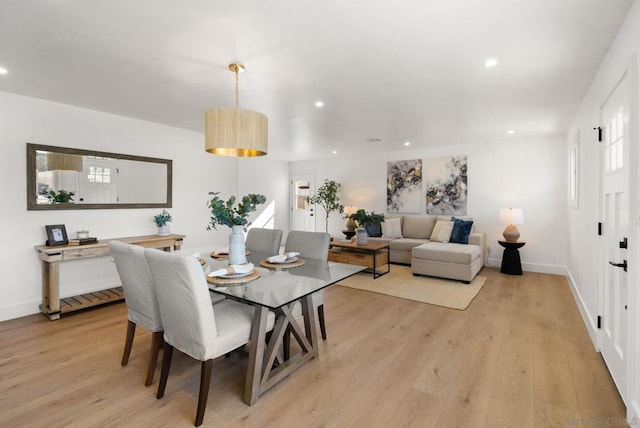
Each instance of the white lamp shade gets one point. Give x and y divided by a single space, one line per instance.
511 216
350 210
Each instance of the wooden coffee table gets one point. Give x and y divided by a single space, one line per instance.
373 255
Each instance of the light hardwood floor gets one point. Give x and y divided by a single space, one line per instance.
519 356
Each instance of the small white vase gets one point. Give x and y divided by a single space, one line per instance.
361 236
164 230
237 253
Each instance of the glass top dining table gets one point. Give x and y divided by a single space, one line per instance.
278 289
281 285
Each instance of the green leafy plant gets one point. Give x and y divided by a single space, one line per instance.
364 219
61 196
224 213
163 218
327 196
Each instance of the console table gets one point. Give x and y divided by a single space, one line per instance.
53 306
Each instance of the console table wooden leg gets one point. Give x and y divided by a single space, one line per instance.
51 290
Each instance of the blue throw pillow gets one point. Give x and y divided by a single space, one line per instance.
461 230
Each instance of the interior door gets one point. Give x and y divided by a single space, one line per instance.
98 182
302 212
615 212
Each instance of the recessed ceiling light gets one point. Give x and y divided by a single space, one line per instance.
511 132
407 143
3 70
491 62
335 152
319 104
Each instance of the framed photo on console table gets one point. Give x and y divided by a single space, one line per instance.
56 235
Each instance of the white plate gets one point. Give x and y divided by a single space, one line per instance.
236 275
289 260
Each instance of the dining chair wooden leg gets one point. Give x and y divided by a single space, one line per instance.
167 353
205 380
128 342
323 328
156 343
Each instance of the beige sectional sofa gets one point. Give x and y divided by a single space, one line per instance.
441 259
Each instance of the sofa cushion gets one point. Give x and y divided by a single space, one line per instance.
442 231
418 227
392 228
461 230
447 252
405 244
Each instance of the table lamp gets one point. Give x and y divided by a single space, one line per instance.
351 225
511 217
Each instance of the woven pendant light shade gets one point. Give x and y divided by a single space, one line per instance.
236 132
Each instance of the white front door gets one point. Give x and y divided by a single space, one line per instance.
302 212
615 213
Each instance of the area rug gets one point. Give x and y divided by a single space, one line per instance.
400 282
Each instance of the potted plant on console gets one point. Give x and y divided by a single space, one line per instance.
60 197
226 214
369 222
162 221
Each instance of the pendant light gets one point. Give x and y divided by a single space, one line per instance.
235 131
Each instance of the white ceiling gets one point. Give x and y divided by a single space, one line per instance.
404 70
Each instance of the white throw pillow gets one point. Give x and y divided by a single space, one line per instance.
391 228
442 231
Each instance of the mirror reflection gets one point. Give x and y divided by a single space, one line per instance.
64 178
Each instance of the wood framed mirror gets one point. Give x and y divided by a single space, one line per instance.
62 178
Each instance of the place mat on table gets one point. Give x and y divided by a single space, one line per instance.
215 255
226 282
266 263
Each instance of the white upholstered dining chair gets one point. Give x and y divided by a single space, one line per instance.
140 298
264 240
312 246
191 323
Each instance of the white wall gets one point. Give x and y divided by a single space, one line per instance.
270 178
527 174
195 173
582 256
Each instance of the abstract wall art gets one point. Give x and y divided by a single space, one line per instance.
404 186
446 185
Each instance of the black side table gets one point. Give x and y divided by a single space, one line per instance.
511 258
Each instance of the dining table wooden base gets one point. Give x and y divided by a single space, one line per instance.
265 368
287 292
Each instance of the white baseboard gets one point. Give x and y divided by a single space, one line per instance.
19 310
33 307
532 267
633 414
589 322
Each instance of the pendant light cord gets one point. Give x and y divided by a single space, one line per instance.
237 89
